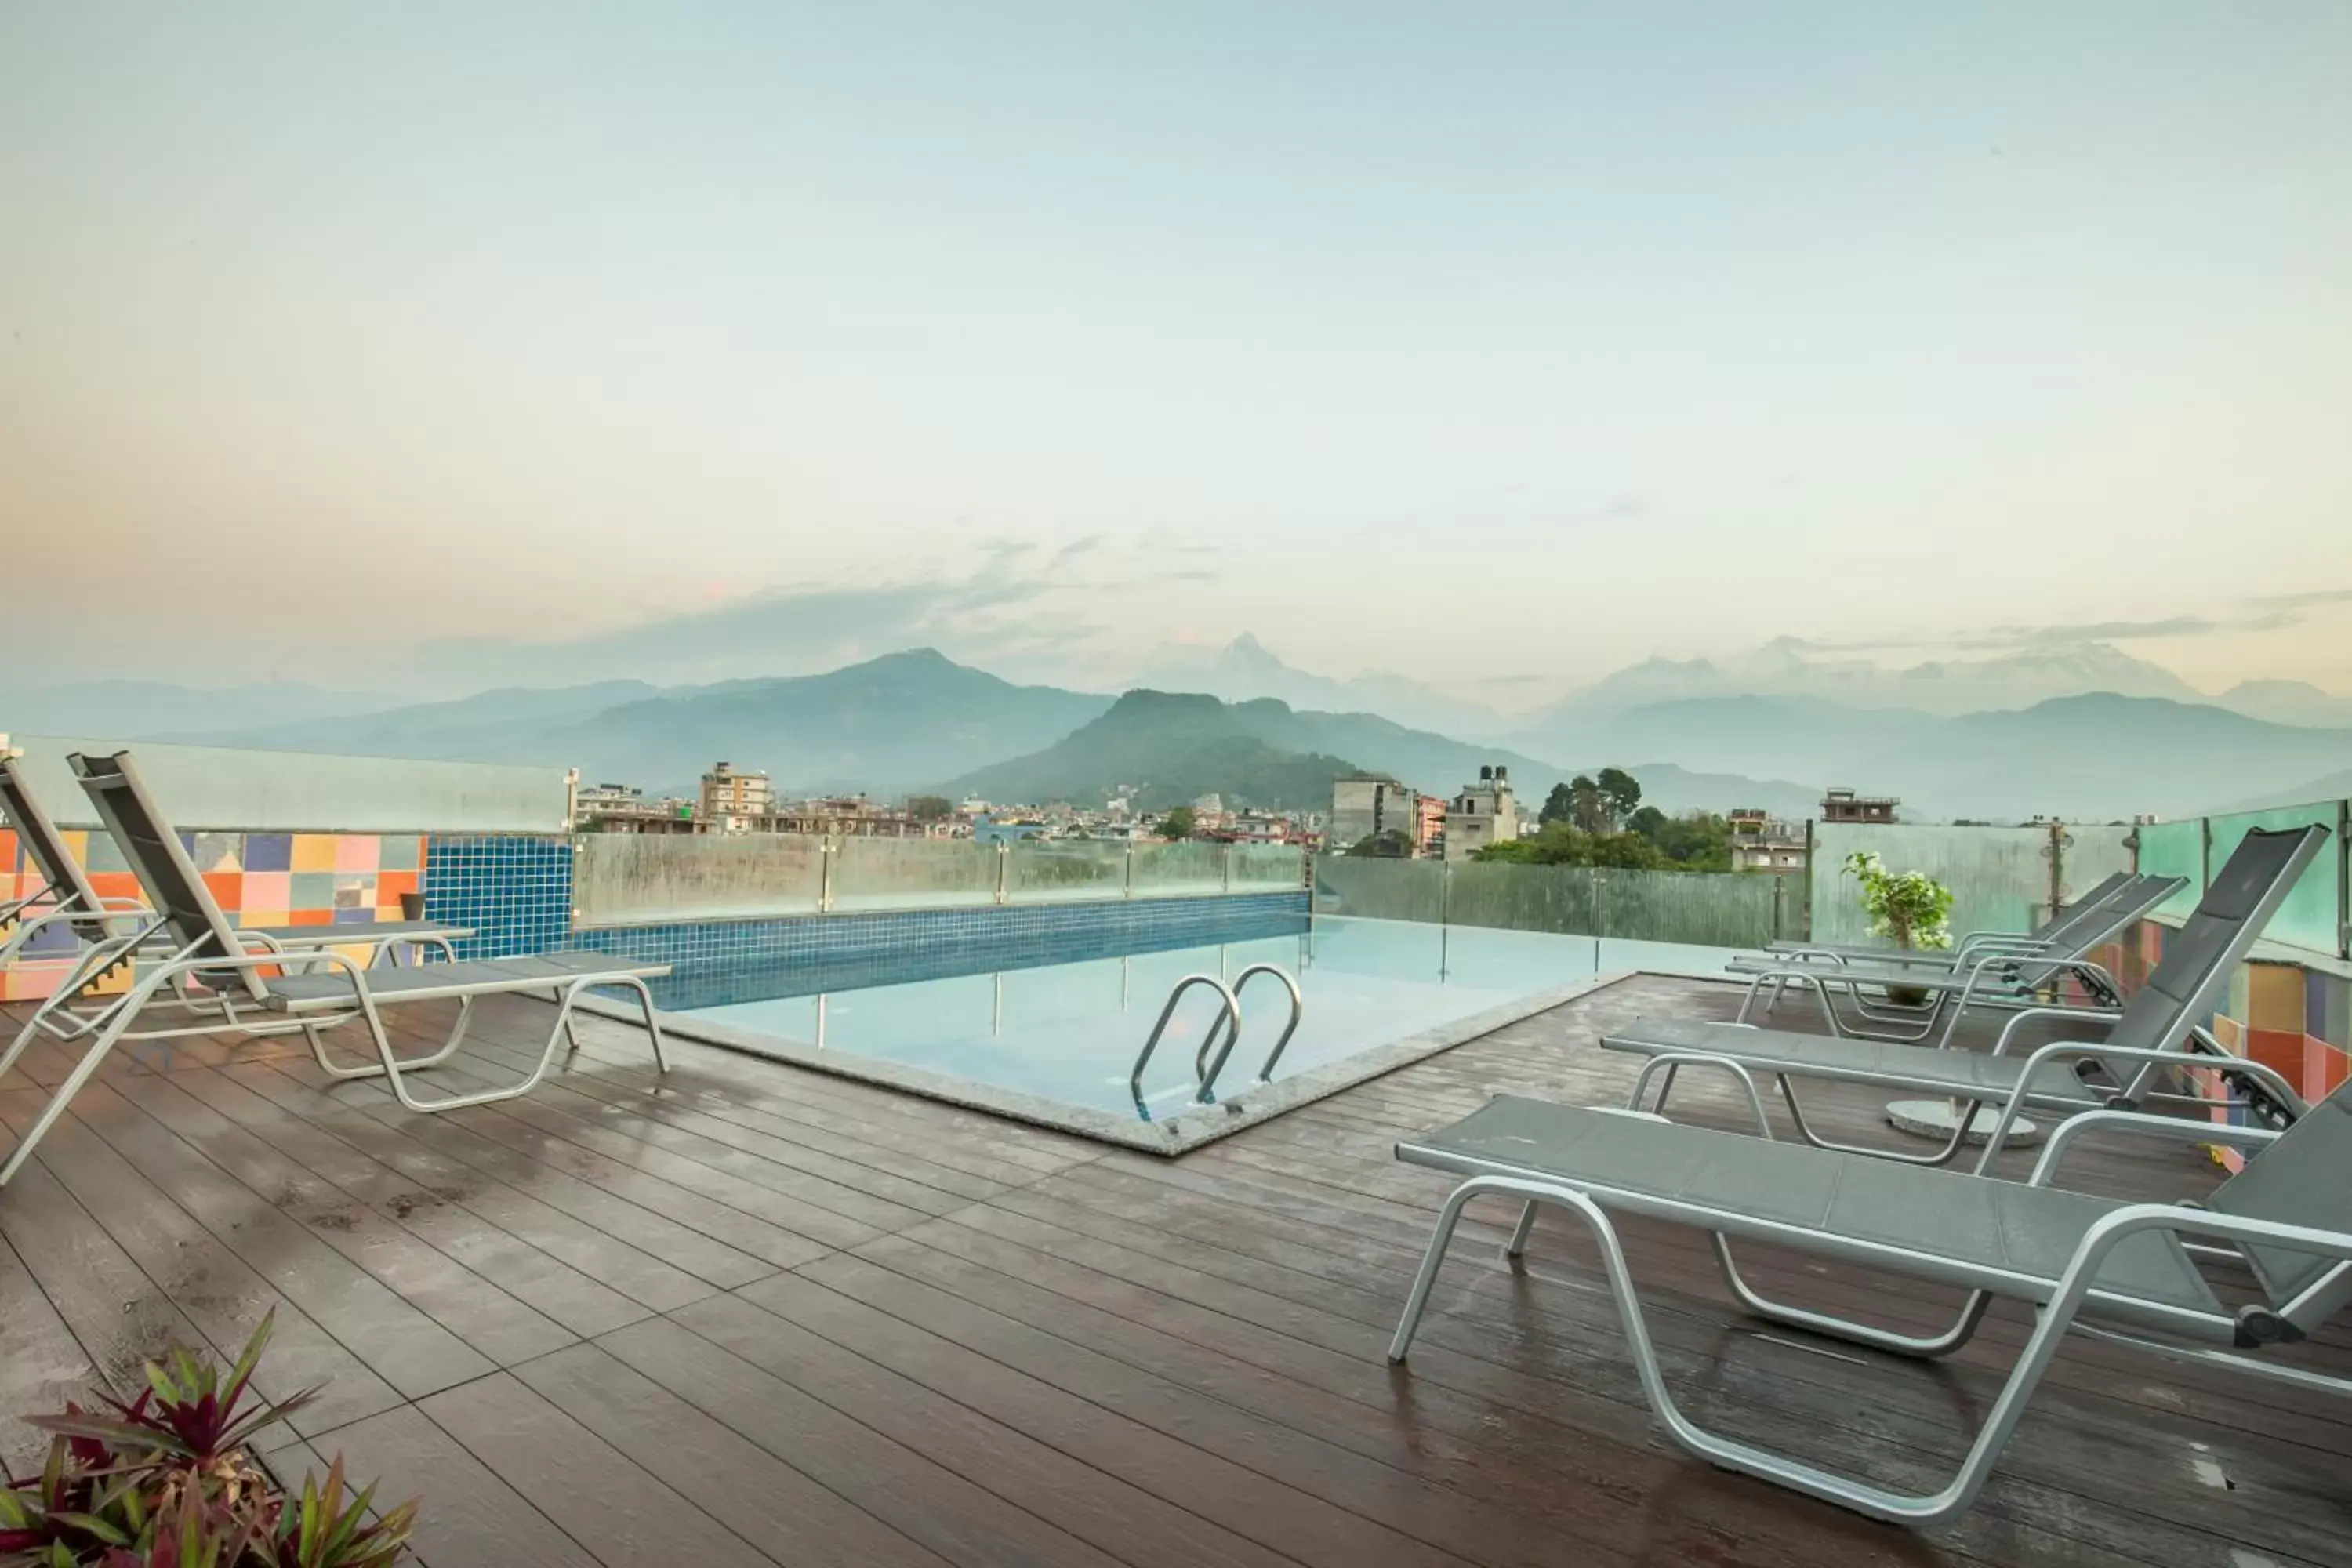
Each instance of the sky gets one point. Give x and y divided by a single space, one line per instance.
1499 346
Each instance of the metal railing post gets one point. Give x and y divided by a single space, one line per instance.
1003 861
1780 899
2057 868
1127 889
1225 866
824 850
2344 878
2204 853
1806 934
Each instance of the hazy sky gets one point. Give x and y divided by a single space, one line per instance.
1485 342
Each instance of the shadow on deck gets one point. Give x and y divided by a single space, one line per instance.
762 1314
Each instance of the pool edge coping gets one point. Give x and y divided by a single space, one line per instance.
1179 1134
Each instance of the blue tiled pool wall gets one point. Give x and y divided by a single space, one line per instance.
722 961
514 889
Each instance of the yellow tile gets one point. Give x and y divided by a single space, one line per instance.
265 918
2274 996
314 852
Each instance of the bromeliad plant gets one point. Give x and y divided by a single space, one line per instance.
167 1481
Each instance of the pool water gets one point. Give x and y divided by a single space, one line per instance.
1071 1032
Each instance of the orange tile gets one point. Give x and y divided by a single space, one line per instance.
2324 1068
227 888
115 884
312 918
390 885
2277 1049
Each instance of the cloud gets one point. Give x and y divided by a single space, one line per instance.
1014 600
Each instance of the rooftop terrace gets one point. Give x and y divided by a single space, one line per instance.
757 1314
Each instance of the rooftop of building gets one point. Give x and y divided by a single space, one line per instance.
757 1315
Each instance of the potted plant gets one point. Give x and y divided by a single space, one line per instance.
1911 910
167 1481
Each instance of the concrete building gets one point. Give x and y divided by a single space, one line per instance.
849 816
1366 804
1761 842
623 808
1428 826
1484 812
1844 806
732 799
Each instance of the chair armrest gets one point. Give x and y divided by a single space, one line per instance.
2171 1128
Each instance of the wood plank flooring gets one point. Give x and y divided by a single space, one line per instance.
750 1314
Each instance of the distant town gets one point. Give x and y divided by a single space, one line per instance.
1370 814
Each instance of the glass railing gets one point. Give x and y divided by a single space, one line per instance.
624 878
2002 879
1698 907
2009 878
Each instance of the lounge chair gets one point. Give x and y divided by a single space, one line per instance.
2124 1273
269 991
1793 947
110 929
1988 974
2160 1026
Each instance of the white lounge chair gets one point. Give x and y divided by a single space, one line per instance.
2125 1273
271 991
2160 1026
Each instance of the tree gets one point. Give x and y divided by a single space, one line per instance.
1587 808
1177 824
1387 845
1557 806
930 807
1649 822
1621 794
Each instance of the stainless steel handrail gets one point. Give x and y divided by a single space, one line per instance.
1229 1016
1207 1071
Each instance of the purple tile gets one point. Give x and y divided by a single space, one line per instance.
269 851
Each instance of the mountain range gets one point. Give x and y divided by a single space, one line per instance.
918 720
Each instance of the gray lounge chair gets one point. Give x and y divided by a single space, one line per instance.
1988 976
2124 1273
113 929
269 991
2160 1026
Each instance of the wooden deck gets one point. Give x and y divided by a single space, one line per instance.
763 1315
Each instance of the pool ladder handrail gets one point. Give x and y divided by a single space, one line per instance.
1229 1014
1207 1071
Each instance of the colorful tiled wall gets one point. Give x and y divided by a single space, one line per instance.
258 878
2294 1018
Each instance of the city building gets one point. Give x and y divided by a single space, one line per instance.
1844 806
1429 826
1483 814
1760 842
1366 804
850 817
732 799
623 808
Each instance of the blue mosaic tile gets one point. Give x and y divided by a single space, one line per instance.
720 961
514 889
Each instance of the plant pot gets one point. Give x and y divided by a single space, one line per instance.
412 906
1908 995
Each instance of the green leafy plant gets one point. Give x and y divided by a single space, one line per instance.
1911 910
168 1480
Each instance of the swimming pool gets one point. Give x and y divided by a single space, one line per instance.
1058 1042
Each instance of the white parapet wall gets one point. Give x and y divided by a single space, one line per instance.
222 788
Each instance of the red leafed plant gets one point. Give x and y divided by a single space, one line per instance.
166 1480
